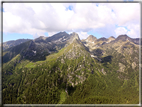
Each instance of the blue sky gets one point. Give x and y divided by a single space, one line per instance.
15 36
25 20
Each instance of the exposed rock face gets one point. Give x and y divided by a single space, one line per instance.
110 39
91 38
122 37
40 39
134 65
102 39
14 43
74 36
126 38
103 71
42 46
76 47
90 42
58 38
121 67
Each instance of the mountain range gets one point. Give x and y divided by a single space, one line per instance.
62 69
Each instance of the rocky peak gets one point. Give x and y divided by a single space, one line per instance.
41 38
111 39
91 38
74 36
61 36
61 33
127 38
122 37
102 39
12 43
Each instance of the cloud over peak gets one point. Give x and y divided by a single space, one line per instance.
102 18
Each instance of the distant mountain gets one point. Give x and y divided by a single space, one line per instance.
62 69
37 48
126 38
91 38
14 43
102 39
58 38
111 39
40 39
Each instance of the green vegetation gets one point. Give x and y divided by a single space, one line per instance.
63 97
71 76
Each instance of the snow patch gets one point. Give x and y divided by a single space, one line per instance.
92 56
127 39
34 51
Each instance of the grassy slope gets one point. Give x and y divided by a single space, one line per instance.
45 82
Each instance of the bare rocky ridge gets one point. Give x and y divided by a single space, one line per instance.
12 43
91 38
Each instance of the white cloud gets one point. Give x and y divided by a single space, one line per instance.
126 12
82 35
134 30
38 18
120 30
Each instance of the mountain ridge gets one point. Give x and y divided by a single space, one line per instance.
66 70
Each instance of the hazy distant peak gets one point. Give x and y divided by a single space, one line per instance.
63 32
102 39
12 43
40 38
112 37
75 35
124 36
91 37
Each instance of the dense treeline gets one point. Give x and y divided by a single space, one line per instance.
71 81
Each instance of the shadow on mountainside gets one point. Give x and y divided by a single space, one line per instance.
25 51
106 59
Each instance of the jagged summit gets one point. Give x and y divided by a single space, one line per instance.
12 43
40 38
91 38
122 37
127 38
61 36
102 39
74 36
112 37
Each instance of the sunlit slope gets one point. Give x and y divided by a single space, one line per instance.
72 76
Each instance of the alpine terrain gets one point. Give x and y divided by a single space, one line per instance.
62 69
